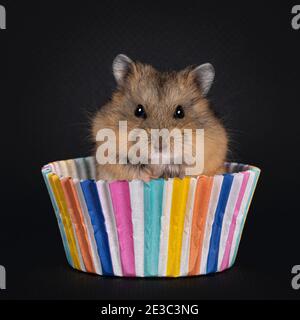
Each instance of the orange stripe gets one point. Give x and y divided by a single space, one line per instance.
77 218
65 216
202 196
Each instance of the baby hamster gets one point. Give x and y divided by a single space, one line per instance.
149 99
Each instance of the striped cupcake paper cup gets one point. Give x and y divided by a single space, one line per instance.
166 228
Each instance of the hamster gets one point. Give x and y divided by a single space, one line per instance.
149 99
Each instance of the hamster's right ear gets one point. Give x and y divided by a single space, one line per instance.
121 67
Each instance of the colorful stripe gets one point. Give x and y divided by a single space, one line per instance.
76 216
120 196
228 215
201 203
110 224
89 228
179 198
173 227
45 172
66 220
228 243
212 259
215 194
95 211
254 174
153 195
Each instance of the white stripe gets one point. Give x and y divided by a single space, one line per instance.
241 214
165 227
57 169
227 219
64 168
186 236
213 201
137 209
90 230
110 225
72 169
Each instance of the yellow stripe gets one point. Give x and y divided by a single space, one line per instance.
179 198
61 202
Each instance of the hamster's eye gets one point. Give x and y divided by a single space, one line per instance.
179 113
140 112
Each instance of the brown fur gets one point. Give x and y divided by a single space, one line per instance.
160 93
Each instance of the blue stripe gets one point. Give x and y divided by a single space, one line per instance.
212 259
95 211
45 173
153 195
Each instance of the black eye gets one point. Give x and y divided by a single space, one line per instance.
179 113
140 112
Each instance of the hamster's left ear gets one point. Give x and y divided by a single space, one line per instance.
205 74
121 67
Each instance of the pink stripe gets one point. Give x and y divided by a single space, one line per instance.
120 196
225 261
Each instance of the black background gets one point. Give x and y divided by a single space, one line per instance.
56 68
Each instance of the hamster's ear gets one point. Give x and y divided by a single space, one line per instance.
121 67
205 74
